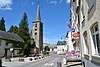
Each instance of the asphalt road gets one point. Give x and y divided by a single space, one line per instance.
53 61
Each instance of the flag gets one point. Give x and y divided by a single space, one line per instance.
73 30
69 26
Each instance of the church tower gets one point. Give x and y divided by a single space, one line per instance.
37 31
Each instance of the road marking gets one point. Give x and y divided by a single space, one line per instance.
46 64
49 64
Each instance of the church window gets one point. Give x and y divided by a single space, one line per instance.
35 25
73 0
35 29
35 33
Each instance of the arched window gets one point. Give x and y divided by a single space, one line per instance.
95 36
86 42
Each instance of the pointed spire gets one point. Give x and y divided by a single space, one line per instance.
38 17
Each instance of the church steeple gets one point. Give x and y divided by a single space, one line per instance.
37 31
38 17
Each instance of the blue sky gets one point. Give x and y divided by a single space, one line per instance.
55 15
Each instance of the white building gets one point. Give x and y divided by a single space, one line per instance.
61 47
69 42
88 12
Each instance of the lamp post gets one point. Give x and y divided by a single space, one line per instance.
11 49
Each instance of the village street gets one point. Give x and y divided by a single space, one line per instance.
52 61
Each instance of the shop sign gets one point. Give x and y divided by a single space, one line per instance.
75 35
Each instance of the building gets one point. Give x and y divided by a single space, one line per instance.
88 12
69 42
7 42
75 24
61 47
37 32
90 32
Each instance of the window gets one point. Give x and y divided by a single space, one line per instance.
35 33
35 29
83 12
86 43
90 3
95 35
92 8
35 25
7 43
83 23
73 0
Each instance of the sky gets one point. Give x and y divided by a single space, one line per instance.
55 14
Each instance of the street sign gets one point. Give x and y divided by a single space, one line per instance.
75 35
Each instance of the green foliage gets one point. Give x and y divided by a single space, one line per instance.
2 24
45 53
23 32
46 48
13 29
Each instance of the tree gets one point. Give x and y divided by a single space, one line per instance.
13 29
23 32
46 48
2 24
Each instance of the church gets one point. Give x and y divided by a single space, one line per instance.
36 34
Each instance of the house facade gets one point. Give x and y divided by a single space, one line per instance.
7 42
88 12
69 42
74 21
61 47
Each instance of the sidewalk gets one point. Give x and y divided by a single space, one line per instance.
74 64
70 62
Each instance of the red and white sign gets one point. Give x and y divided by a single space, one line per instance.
75 35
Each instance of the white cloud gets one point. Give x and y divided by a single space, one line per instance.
5 4
67 1
54 2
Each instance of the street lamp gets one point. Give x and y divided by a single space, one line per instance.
11 49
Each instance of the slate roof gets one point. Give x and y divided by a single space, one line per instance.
10 36
61 43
